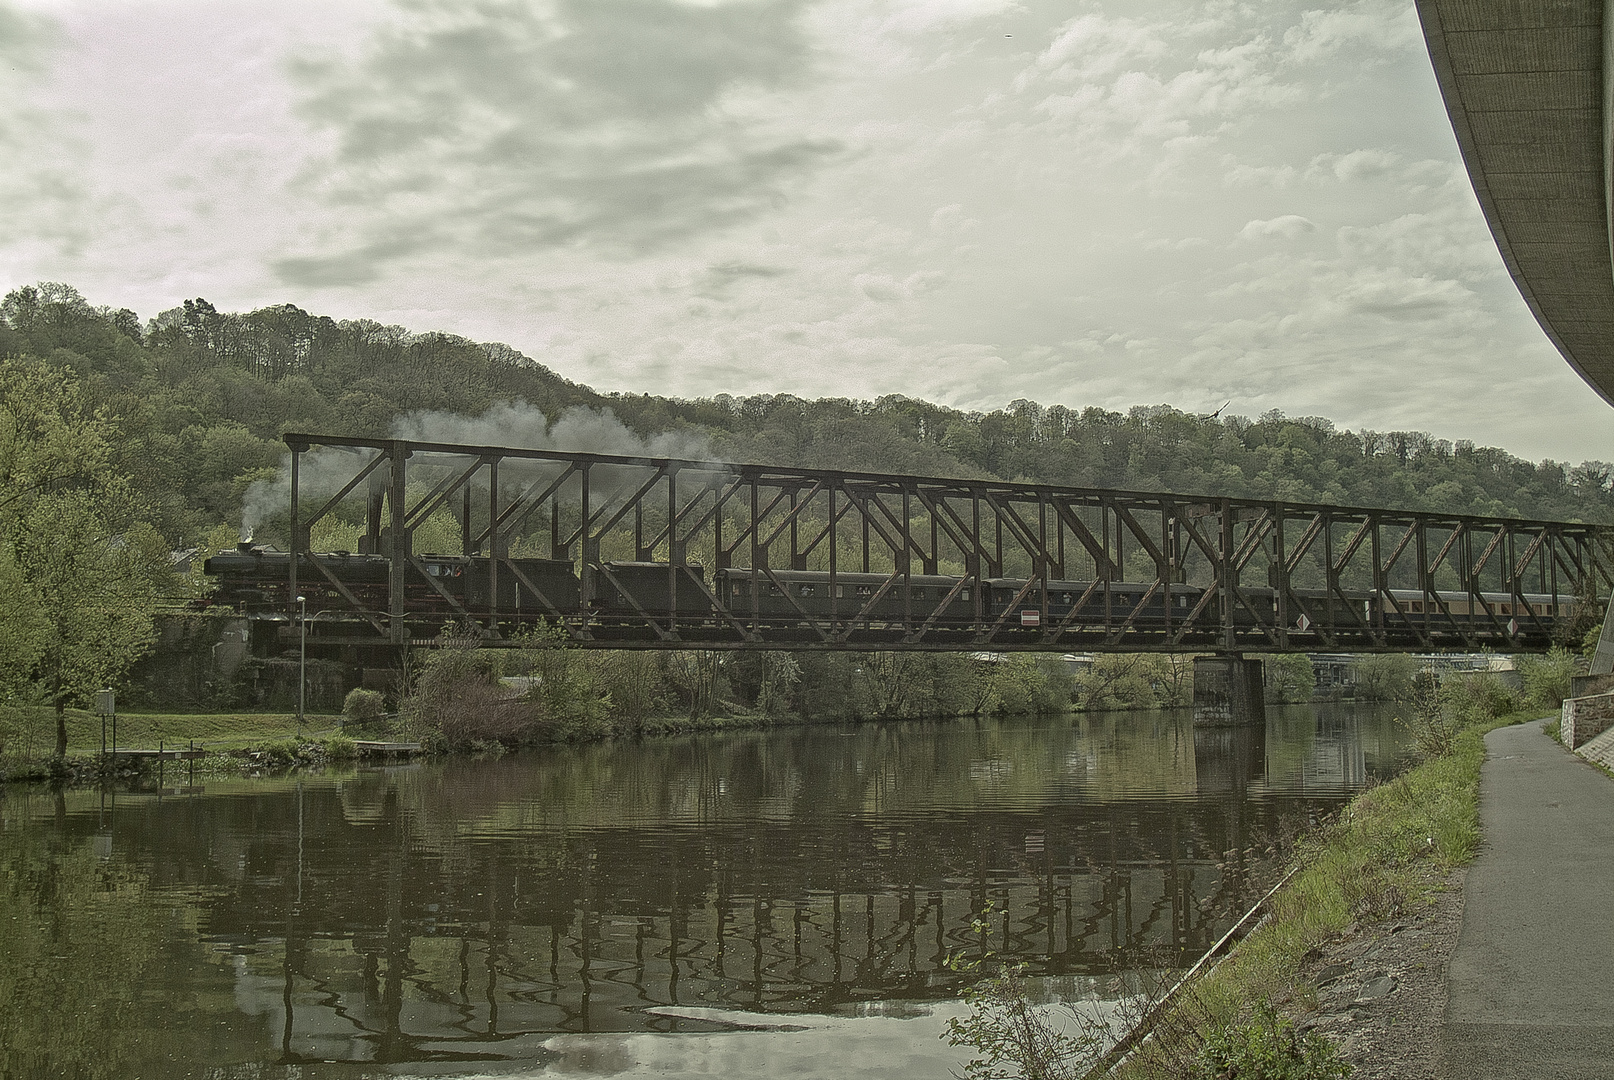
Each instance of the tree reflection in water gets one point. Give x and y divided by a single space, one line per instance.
471 909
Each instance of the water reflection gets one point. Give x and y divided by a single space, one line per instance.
469 911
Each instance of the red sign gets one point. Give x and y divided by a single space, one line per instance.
1031 618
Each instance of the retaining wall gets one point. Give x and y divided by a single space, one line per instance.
1585 718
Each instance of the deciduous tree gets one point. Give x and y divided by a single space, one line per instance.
79 570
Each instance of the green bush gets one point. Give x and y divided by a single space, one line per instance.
1475 697
1385 677
1288 677
282 754
457 700
1266 1047
1546 678
363 707
340 747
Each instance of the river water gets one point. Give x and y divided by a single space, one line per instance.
779 902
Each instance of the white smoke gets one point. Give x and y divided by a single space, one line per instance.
324 470
320 474
578 430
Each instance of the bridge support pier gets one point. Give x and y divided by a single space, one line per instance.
1227 691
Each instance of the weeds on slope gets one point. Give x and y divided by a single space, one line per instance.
1384 856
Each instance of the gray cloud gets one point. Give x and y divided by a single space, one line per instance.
41 162
25 40
503 127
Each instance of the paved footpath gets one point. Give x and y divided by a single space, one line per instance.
1531 984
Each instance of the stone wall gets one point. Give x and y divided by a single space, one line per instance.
197 661
1584 718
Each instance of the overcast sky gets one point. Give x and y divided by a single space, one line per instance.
969 201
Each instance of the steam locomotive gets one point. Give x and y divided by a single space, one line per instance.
623 597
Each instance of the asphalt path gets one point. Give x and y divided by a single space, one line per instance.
1531 983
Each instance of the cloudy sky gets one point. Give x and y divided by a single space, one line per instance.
970 201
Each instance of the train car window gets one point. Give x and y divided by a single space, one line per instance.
840 592
741 588
773 590
807 590
964 594
865 590
917 592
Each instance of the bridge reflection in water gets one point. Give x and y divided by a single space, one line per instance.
474 908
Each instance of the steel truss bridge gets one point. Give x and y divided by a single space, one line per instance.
627 552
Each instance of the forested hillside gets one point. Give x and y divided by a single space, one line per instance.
200 397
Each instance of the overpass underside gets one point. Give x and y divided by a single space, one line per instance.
484 544
1528 91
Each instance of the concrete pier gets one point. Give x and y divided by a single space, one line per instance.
1227 691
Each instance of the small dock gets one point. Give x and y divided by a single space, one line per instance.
158 755
371 749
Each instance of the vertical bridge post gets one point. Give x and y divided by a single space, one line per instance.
1228 691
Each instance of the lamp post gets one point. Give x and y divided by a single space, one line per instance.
302 661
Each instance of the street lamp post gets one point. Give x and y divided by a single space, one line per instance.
302 662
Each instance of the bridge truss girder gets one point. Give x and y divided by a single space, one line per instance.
1088 569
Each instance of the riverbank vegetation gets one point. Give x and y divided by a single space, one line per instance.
28 735
1384 857
544 690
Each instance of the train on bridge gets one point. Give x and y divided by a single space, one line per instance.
629 603
671 553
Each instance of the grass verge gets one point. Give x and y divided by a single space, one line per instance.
1384 857
28 733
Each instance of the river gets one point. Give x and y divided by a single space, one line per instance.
775 902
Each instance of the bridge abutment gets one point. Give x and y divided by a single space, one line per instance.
1227 691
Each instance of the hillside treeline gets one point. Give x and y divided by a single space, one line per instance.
123 439
199 398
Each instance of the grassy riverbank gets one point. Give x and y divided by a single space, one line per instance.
1385 857
28 734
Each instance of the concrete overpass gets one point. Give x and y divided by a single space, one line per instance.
1529 100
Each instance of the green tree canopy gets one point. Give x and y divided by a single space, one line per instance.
80 570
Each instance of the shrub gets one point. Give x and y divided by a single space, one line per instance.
1384 677
363 707
1288 677
566 693
457 700
340 747
635 683
1436 720
1011 1035
1478 697
1546 678
1266 1047
282 754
